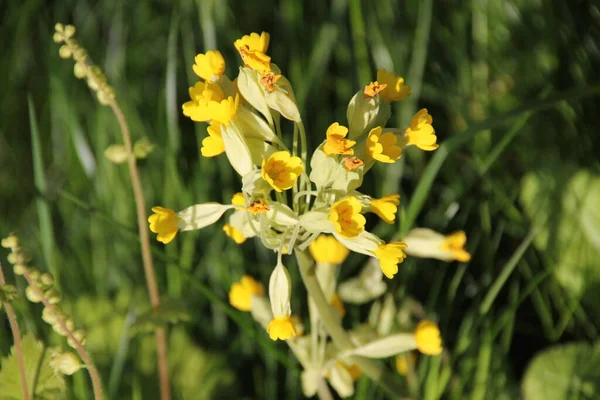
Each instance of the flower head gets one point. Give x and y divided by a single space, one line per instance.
281 328
420 132
257 207
346 217
281 170
240 294
395 88
253 49
327 249
383 147
336 142
164 222
427 243
212 145
209 64
268 80
373 88
428 338
234 234
208 102
389 256
386 207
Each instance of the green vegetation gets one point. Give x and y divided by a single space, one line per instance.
514 89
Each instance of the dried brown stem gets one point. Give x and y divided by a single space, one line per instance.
14 327
161 338
85 356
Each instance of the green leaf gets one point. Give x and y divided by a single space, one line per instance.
48 384
564 372
562 203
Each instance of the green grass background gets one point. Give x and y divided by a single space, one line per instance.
512 86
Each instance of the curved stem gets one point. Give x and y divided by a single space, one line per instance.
14 327
336 331
161 339
85 356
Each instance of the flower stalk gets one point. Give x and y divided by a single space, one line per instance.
336 331
14 327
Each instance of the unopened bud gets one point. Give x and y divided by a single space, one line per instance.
80 336
33 294
51 315
142 148
20 269
65 52
53 296
58 37
116 153
47 280
59 27
69 31
80 69
66 363
34 273
10 242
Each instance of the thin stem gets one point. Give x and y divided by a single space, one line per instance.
85 356
161 340
323 391
336 331
14 327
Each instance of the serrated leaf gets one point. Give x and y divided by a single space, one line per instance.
48 384
564 372
169 312
562 203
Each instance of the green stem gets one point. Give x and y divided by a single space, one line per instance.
336 331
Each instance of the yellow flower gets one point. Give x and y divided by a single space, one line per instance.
281 170
240 294
336 144
209 64
352 163
386 207
268 80
208 102
257 207
253 49
213 145
164 222
336 302
238 199
428 338
373 88
383 147
403 361
454 244
327 249
395 88
390 255
346 218
281 328
421 132
233 233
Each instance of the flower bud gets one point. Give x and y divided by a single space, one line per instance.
34 295
20 269
80 336
47 280
80 69
116 153
65 52
65 362
51 315
53 296
10 242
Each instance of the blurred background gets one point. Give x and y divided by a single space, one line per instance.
513 87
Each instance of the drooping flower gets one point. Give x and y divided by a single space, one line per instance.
427 243
395 88
241 293
234 234
208 102
209 64
281 170
389 256
383 147
336 142
253 49
420 132
428 338
212 145
346 217
280 290
386 207
164 222
327 249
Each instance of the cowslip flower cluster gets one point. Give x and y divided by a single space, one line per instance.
292 203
